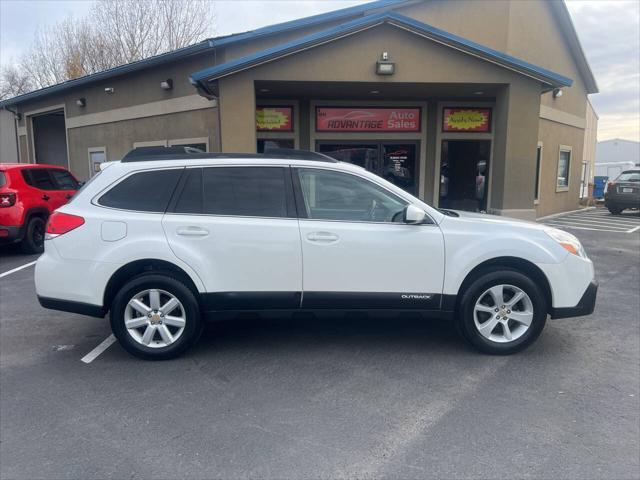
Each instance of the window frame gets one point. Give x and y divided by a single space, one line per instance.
536 192
566 149
96 198
300 202
177 142
289 192
91 150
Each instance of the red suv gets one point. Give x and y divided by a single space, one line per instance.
28 195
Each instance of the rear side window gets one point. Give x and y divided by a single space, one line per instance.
143 191
64 180
3 179
629 177
38 178
235 191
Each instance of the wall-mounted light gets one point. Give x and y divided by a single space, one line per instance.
81 102
557 92
166 84
109 90
385 66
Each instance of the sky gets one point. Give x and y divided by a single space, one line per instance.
609 31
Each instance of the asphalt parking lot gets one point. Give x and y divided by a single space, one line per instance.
327 397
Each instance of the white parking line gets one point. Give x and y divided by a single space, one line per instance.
634 230
593 223
93 354
609 220
17 269
586 228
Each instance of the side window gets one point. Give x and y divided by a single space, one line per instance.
143 191
190 199
245 191
38 178
64 180
564 162
340 196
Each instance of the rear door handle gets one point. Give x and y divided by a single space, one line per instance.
192 232
322 237
45 197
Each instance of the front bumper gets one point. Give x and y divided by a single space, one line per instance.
584 307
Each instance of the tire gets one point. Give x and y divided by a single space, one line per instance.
155 346
33 241
615 210
475 311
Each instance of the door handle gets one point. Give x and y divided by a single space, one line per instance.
322 237
68 196
45 197
192 232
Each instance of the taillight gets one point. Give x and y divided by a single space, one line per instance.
7 199
60 223
610 183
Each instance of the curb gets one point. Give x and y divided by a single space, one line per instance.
555 215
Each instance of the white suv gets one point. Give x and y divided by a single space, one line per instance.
163 240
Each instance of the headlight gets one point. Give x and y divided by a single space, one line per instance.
569 242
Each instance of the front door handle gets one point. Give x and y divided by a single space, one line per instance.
322 237
192 232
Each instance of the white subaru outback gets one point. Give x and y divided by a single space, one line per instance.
163 239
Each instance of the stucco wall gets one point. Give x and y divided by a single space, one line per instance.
552 135
119 137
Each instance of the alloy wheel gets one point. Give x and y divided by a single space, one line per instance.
155 318
503 313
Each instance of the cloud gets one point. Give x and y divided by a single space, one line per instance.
610 36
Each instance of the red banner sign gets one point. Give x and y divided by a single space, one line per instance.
274 119
466 120
367 119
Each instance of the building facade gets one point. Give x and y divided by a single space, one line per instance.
469 104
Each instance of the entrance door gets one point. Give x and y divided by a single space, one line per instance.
397 162
464 174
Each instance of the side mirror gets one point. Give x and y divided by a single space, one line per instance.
414 215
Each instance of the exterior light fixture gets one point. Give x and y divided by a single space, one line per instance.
81 102
166 84
557 92
109 90
384 66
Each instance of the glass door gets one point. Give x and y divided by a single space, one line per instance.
464 174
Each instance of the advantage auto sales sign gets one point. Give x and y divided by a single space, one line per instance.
375 119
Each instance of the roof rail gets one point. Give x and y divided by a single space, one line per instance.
147 154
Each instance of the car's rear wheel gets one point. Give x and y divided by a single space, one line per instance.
502 312
614 210
156 317
33 241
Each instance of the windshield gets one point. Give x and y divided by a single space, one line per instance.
629 177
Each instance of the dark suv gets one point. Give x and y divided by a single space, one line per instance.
28 195
623 192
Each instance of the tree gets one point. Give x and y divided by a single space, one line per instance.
113 33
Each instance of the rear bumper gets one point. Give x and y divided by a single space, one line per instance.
73 307
11 234
584 307
621 200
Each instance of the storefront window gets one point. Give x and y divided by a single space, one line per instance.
563 168
464 174
267 144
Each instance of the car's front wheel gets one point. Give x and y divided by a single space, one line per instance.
155 317
502 312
